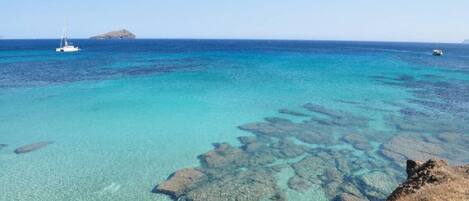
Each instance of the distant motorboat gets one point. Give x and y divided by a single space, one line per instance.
66 46
438 52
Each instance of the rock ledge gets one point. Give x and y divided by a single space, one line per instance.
433 180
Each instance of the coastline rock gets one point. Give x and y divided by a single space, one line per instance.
119 34
433 180
32 147
178 183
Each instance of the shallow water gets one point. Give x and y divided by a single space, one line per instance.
123 115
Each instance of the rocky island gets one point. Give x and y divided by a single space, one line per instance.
119 34
432 181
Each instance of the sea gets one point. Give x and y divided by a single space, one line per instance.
331 118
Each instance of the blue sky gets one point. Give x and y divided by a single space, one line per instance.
385 20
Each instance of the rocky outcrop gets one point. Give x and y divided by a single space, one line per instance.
433 180
119 34
32 147
179 182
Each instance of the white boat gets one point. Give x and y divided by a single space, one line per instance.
66 46
438 52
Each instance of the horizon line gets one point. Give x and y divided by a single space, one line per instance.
245 39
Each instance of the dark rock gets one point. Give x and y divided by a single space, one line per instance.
287 149
433 180
263 129
299 184
347 102
291 112
337 117
119 34
32 147
279 168
316 137
179 182
376 185
357 141
322 110
222 155
412 166
312 167
247 139
349 197
350 188
252 147
246 185
279 196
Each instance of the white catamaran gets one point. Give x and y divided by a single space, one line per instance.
65 46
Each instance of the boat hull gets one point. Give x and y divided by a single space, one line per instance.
67 49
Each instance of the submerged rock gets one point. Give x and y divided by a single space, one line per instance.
3 146
299 184
287 149
32 147
349 197
246 185
336 117
357 141
179 182
291 112
223 155
377 184
433 180
409 145
447 145
119 34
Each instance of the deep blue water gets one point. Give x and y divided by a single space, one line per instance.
124 115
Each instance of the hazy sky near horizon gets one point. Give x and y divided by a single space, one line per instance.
385 20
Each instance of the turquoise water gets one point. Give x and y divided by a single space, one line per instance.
124 115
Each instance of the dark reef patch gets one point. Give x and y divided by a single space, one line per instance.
32 147
336 150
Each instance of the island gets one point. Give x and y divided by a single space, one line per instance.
119 34
466 41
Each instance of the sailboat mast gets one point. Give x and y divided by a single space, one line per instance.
65 34
62 37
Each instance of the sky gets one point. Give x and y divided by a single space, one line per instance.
360 20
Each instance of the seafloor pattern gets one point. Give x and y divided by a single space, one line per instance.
289 120
333 150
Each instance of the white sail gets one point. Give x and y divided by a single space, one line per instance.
65 46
